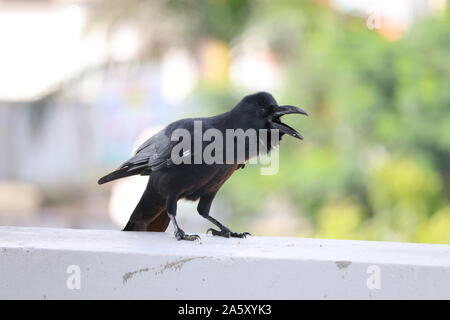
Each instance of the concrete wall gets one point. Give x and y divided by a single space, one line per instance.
37 263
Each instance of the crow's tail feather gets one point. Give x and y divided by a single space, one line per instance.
159 224
129 227
120 173
150 213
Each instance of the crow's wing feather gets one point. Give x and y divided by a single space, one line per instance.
152 154
155 153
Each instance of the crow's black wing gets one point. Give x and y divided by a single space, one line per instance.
155 153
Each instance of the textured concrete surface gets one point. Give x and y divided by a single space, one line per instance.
43 263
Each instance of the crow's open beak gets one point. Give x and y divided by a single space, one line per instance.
287 109
284 128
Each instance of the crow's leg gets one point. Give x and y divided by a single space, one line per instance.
203 208
171 206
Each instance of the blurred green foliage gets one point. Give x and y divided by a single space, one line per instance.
375 163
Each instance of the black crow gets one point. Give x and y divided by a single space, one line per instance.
171 179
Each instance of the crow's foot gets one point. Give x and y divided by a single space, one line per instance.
228 233
181 235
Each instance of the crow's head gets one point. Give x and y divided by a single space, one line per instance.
261 111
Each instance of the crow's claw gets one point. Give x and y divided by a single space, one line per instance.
222 233
181 235
228 233
243 235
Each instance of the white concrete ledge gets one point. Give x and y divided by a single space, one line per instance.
38 263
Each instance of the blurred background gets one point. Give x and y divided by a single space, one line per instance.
83 82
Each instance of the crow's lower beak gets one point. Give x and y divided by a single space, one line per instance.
284 128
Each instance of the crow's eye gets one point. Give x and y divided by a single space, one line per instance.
264 112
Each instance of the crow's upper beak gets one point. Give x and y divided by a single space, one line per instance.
287 109
284 128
